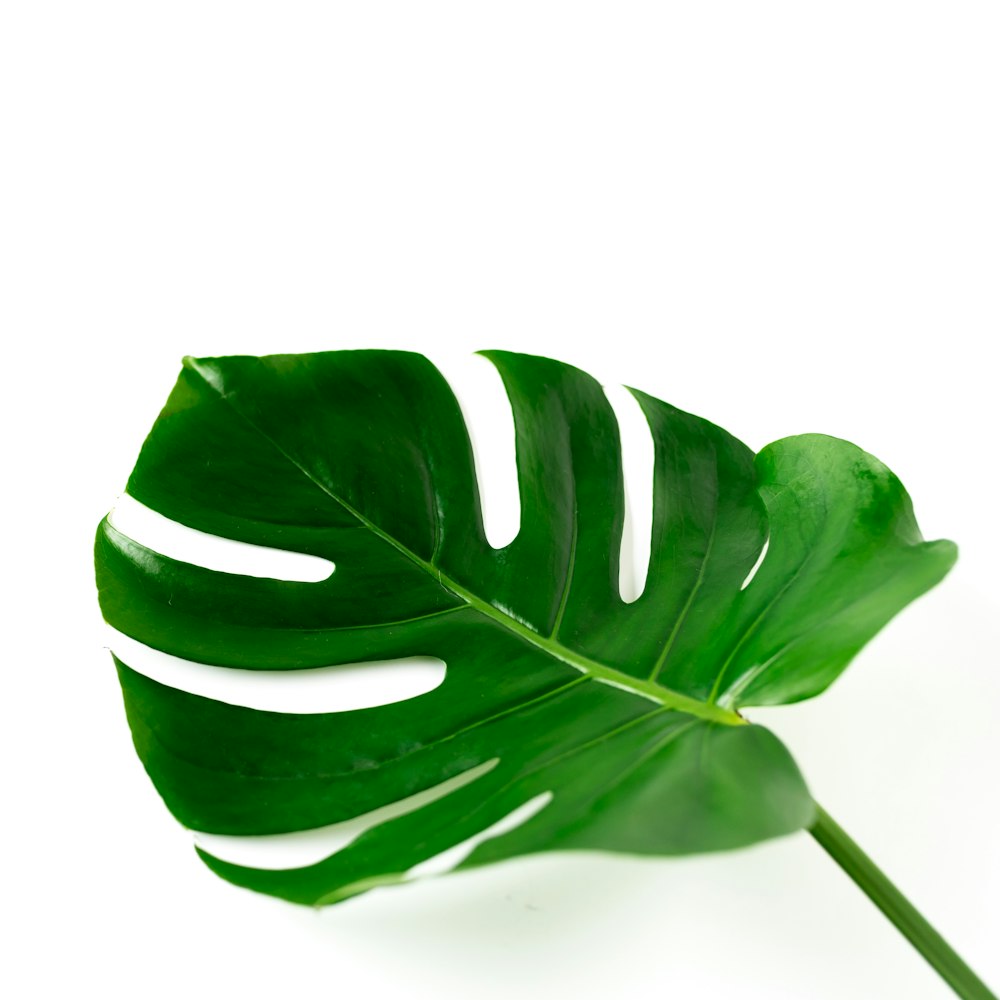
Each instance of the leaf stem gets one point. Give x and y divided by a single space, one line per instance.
835 841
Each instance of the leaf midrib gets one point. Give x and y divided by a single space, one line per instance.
644 688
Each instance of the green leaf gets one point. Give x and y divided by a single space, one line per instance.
568 719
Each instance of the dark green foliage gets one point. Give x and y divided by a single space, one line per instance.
628 714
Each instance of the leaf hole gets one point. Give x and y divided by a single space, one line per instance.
308 691
447 860
280 851
199 548
756 566
481 395
637 471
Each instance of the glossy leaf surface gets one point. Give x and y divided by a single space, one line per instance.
577 720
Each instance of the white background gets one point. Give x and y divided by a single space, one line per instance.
783 216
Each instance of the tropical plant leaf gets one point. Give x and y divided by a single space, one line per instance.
568 719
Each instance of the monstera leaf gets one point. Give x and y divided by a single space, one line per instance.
568 718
